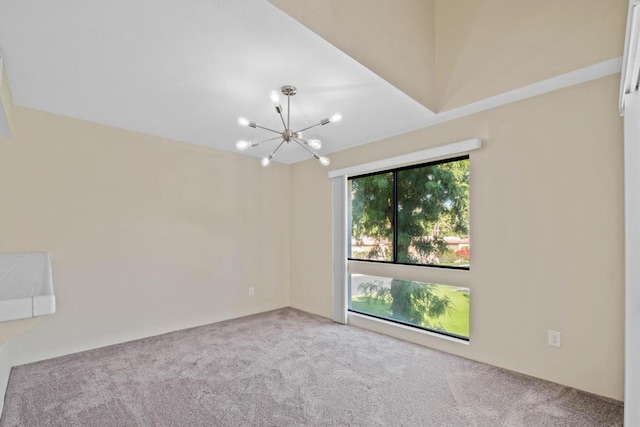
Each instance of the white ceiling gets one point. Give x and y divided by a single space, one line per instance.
187 69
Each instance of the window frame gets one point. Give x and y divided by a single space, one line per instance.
394 172
341 238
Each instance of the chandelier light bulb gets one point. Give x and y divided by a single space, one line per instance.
316 144
265 161
324 161
243 121
336 118
299 135
274 97
243 145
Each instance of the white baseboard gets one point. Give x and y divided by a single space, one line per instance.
5 370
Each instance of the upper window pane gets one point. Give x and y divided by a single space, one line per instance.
372 217
433 214
415 215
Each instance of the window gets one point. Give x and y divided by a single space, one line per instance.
417 215
413 215
430 306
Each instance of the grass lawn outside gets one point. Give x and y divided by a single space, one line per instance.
456 322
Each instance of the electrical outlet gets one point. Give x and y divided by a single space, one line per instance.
251 291
555 338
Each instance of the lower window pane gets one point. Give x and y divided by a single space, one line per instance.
432 306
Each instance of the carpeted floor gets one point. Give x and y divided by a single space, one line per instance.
287 368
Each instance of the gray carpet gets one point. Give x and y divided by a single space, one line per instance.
287 368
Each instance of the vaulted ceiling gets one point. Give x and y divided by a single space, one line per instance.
187 70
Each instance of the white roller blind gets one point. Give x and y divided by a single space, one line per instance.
632 255
339 196
630 108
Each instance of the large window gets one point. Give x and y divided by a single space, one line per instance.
417 215
413 215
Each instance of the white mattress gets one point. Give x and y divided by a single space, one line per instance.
26 285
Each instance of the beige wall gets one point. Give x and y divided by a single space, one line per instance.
548 185
487 47
15 328
448 53
146 235
396 41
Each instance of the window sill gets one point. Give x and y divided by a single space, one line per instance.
361 320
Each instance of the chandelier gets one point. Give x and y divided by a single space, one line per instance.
311 145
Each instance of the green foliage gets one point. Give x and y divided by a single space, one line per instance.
433 202
456 321
451 258
372 211
413 302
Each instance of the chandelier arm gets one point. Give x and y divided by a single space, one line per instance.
282 118
309 127
277 148
270 130
313 153
269 139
